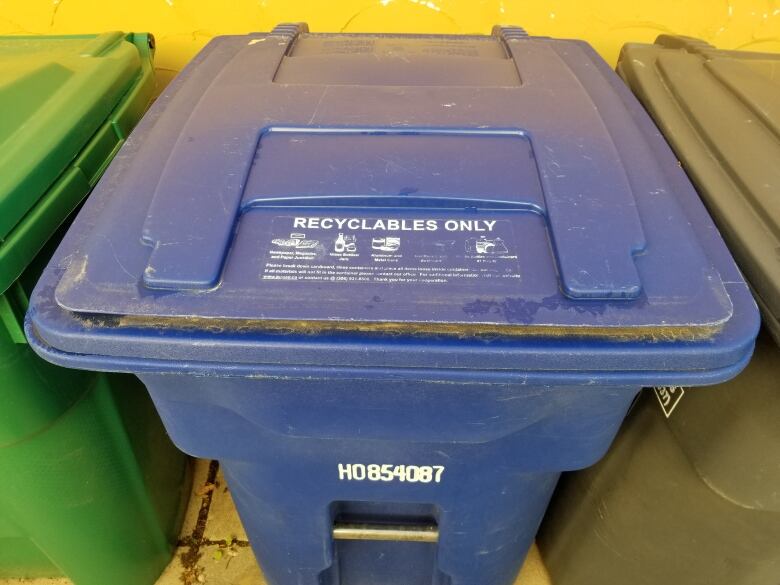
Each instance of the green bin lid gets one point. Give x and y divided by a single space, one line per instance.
67 103
720 110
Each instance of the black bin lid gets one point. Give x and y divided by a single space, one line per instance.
720 110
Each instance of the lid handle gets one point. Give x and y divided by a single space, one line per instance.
594 224
506 33
210 197
290 29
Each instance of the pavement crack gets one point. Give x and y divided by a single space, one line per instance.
192 572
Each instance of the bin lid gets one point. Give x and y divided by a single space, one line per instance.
56 95
302 183
720 110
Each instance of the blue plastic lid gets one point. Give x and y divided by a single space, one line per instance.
498 185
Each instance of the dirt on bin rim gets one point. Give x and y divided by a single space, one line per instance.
452 330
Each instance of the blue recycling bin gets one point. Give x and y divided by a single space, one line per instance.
395 284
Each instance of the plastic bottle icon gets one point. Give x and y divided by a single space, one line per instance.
341 243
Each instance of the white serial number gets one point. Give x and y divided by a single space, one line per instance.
387 472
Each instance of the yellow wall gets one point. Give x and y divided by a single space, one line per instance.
182 27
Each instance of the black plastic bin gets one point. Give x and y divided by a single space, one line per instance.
690 492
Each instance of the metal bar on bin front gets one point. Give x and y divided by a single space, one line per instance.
394 532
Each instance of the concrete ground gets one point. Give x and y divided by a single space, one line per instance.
214 550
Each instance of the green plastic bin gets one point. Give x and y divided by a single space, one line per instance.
90 485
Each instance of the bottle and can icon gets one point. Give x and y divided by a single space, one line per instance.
345 244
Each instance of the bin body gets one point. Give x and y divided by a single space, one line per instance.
92 487
655 510
371 274
688 494
499 448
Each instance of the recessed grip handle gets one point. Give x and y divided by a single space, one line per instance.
386 532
